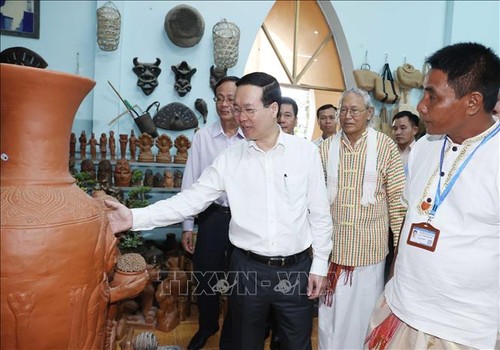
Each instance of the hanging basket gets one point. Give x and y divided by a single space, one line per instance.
226 36
108 27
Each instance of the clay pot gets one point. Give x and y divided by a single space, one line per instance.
121 277
56 246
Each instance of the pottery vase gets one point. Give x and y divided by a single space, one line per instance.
56 245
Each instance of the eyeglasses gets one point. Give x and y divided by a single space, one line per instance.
221 99
354 112
249 112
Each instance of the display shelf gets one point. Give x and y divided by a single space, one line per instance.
156 164
156 189
141 164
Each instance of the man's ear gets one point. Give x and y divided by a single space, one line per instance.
415 130
371 110
474 103
274 108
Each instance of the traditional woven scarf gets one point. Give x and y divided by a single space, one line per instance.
370 176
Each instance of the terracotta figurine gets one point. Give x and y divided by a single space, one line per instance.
122 173
148 178
123 145
177 179
87 166
158 180
169 179
145 144
72 146
104 172
164 143
103 141
112 145
182 144
83 145
167 294
132 143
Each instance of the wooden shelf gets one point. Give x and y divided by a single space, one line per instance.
156 189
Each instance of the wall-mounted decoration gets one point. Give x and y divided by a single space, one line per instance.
216 75
184 26
183 74
108 27
201 106
175 116
226 38
20 18
143 121
22 57
147 74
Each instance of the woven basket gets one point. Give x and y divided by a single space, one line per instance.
226 36
108 27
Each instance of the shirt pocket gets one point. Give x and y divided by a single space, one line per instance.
295 191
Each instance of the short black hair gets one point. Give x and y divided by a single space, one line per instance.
271 91
290 101
413 118
224 80
322 108
470 67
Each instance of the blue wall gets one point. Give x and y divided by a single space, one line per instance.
398 29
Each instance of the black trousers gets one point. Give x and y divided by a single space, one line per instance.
258 288
211 261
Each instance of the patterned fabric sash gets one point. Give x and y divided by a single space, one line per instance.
334 272
381 335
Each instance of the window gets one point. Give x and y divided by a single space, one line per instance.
296 46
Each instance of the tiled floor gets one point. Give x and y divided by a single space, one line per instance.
182 334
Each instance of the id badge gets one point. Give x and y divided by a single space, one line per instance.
423 235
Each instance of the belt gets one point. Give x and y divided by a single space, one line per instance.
220 208
276 261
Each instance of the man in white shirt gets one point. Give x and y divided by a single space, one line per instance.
404 129
288 115
277 194
444 293
212 241
326 116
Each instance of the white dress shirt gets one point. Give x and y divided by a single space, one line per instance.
207 144
278 199
404 155
453 292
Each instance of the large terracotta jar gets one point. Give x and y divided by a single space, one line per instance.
56 247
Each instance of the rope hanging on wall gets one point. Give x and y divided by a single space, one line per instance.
108 27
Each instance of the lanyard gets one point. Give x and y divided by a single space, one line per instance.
440 196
